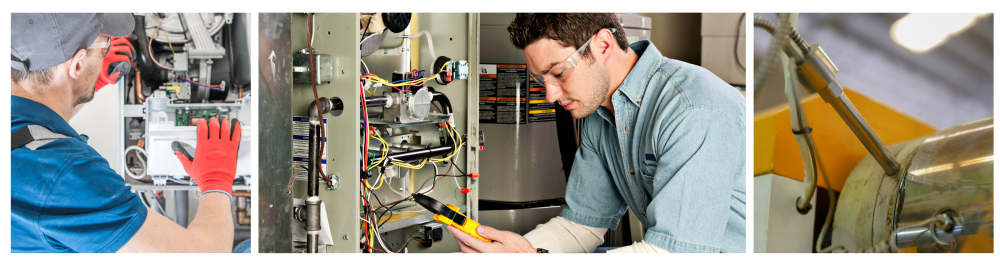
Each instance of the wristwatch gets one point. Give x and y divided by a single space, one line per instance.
542 250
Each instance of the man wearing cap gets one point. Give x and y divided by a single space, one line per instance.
64 196
661 138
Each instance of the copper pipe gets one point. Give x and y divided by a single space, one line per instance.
241 194
138 88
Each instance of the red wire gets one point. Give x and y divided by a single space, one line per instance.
364 110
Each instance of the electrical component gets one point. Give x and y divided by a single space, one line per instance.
449 215
433 233
190 117
412 107
301 72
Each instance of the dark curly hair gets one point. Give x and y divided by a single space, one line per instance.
568 29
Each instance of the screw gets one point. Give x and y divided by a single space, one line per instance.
345 237
270 206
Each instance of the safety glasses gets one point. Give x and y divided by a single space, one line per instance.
104 46
559 73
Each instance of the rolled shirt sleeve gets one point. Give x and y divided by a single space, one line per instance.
592 198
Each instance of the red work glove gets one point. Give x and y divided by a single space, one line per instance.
116 61
213 166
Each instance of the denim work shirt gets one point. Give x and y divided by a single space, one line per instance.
673 151
64 196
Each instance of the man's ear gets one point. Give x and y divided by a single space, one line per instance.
77 64
605 43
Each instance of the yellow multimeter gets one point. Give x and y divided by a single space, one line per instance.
449 215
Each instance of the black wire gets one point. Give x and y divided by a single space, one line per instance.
366 29
389 209
143 198
457 167
736 47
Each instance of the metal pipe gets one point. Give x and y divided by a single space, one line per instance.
818 74
377 147
372 102
396 148
242 217
420 154
313 201
314 157
181 208
868 137
334 106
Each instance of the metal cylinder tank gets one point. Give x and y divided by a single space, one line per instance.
951 169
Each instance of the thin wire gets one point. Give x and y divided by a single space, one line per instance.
170 44
150 45
417 82
213 87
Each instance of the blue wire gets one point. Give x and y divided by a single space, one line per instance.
411 79
192 82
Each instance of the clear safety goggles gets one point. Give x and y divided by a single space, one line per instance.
104 46
559 73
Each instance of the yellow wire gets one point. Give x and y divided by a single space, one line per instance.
376 79
421 165
379 183
167 35
385 152
458 147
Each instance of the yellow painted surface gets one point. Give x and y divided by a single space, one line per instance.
776 150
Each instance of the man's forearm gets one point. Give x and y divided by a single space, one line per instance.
210 231
213 222
561 235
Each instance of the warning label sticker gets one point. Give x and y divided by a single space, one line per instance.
506 96
300 147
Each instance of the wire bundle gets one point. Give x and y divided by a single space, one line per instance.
417 81
371 220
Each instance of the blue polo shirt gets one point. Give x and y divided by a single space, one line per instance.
64 197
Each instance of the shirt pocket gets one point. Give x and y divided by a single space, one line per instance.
647 162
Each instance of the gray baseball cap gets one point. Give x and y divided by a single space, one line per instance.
42 40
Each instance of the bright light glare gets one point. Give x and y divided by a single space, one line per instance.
922 32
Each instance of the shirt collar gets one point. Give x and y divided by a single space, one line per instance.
28 111
637 79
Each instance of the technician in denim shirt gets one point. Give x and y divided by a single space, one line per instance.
668 142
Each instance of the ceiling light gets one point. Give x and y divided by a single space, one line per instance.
922 32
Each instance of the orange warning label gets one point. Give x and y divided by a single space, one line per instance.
522 66
542 111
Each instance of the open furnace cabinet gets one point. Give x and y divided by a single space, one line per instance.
341 193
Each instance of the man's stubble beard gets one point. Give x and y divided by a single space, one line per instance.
600 83
86 88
